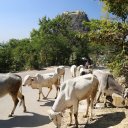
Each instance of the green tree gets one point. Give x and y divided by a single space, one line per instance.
117 7
5 58
110 37
51 40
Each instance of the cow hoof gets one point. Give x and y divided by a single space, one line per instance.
10 115
25 110
94 106
105 105
38 100
69 124
126 107
45 98
75 126
85 116
91 119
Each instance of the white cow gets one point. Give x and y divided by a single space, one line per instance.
79 67
43 80
73 70
108 85
71 92
61 71
10 84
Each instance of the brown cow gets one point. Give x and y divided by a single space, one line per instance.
10 84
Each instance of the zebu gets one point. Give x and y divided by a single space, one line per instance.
71 92
43 80
108 85
10 84
60 70
73 70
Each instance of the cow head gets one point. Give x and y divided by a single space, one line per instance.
28 80
55 117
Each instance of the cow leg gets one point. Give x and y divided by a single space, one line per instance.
22 100
57 90
98 97
15 100
70 114
76 119
93 95
109 100
76 114
40 92
42 96
88 103
63 77
105 102
39 96
91 108
49 92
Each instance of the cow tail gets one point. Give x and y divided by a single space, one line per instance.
20 90
20 79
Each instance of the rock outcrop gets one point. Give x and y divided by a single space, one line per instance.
77 18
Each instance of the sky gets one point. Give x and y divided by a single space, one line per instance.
19 17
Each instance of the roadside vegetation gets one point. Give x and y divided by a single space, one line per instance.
105 41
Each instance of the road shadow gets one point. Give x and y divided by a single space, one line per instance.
107 120
32 120
48 103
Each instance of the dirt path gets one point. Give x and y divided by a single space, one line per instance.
37 116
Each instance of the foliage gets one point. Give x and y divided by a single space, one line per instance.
5 58
117 7
56 43
107 39
53 43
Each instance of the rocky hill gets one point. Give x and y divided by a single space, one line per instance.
77 18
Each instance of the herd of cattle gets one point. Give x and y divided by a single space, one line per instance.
89 84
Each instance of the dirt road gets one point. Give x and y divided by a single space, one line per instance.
37 112
36 116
